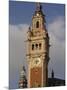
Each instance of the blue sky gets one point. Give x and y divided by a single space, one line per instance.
20 17
21 12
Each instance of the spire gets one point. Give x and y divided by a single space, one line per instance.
38 9
38 6
52 74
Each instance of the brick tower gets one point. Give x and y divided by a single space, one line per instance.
37 50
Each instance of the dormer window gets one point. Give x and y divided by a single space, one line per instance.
37 24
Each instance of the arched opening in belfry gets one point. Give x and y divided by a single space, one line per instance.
37 24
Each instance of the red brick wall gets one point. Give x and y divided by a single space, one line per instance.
36 77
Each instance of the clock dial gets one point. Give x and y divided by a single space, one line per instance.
37 61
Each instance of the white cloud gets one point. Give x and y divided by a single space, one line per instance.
17 37
57 50
57 28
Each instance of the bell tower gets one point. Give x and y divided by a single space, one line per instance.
37 50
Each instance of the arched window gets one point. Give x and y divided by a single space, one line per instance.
37 24
39 45
32 46
36 46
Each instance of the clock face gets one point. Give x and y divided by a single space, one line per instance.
36 61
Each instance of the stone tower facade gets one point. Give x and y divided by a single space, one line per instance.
38 50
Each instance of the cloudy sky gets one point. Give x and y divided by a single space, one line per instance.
20 16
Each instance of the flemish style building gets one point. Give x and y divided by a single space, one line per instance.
38 50
38 54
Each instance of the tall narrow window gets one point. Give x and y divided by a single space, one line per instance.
36 46
32 46
39 45
37 24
